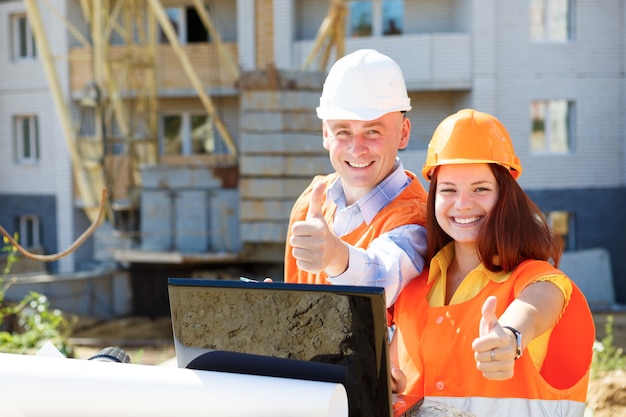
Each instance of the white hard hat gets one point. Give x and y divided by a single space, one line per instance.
363 85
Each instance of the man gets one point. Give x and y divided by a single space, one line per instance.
363 224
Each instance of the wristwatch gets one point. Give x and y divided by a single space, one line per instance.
518 341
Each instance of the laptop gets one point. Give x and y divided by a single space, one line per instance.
317 332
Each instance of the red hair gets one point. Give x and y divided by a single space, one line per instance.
516 229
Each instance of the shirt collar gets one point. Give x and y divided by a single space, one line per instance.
371 203
443 259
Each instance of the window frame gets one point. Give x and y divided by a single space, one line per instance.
569 239
182 32
548 135
186 135
546 22
19 22
377 18
32 223
34 150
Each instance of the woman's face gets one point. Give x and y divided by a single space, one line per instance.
465 196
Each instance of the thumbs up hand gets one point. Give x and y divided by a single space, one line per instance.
315 202
314 246
398 379
493 351
488 319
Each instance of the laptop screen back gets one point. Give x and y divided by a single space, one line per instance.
339 325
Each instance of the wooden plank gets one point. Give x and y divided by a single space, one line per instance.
204 58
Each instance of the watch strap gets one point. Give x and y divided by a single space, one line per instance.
518 341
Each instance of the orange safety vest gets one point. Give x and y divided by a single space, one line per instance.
409 207
435 352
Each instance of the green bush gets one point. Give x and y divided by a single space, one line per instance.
607 357
27 325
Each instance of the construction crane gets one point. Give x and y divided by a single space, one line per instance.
121 97
112 129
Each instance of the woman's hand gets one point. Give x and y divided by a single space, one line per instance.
494 349
398 379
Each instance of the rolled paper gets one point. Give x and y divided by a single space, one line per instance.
47 386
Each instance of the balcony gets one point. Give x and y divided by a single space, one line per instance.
430 61
135 62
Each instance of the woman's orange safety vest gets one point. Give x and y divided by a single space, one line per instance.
435 352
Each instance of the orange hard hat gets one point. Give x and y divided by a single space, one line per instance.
470 136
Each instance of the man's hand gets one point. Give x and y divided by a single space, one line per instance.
493 351
315 246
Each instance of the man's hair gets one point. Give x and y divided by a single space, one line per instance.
514 231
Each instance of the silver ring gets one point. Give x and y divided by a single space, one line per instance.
493 355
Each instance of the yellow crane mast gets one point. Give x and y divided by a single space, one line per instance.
120 95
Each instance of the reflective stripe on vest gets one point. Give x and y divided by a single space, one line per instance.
514 407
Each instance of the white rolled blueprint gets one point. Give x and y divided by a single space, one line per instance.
34 386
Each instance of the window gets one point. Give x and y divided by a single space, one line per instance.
376 17
393 10
24 46
187 24
361 18
187 134
563 224
550 20
28 226
550 131
26 139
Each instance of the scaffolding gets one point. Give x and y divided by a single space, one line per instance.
112 128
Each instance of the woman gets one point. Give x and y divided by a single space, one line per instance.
494 329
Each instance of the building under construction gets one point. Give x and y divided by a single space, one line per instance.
198 119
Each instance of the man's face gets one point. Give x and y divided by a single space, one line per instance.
364 152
